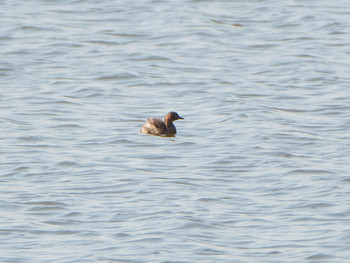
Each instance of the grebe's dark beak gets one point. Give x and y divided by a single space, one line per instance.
181 118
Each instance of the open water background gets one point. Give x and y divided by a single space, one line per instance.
259 170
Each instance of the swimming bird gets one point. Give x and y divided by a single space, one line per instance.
155 126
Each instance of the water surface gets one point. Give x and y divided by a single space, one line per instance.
259 169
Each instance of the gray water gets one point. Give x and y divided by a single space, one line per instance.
258 172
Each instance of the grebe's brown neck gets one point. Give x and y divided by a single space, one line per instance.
168 121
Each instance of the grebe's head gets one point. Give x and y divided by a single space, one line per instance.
173 116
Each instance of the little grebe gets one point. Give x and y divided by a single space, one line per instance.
155 126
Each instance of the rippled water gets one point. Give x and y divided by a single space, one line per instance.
259 169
